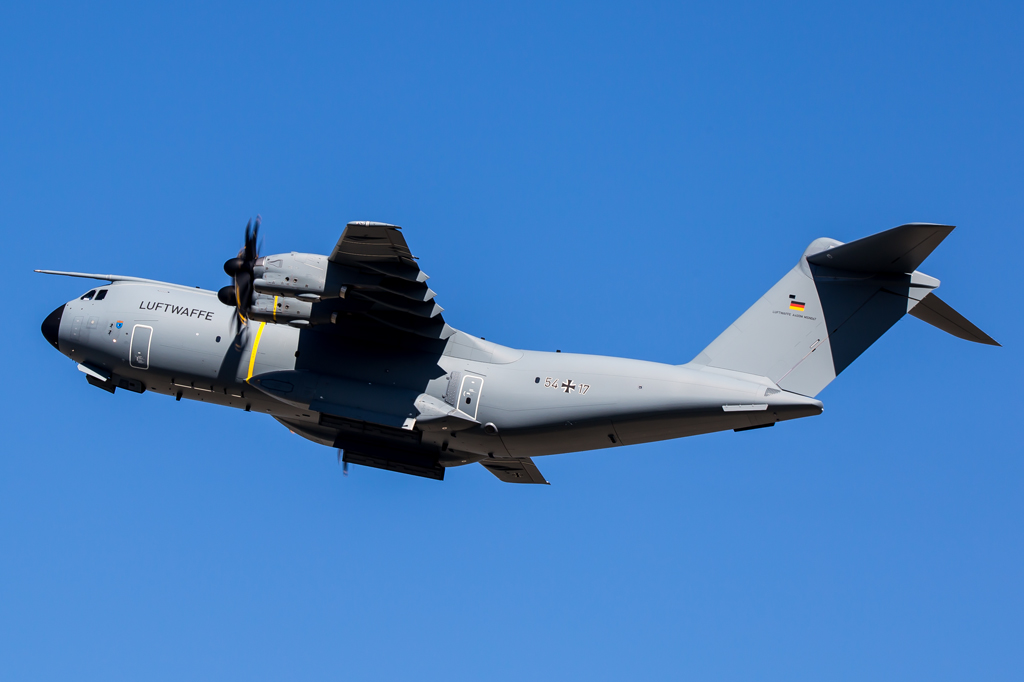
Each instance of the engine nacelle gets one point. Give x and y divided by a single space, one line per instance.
280 310
294 275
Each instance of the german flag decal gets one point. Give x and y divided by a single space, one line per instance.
796 305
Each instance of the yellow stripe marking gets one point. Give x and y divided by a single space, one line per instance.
255 347
274 314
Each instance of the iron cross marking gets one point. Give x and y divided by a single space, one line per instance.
569 386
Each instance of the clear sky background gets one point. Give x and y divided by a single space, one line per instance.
615 179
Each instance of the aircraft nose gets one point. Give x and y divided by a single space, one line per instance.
51 326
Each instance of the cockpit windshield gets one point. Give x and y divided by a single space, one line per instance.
88 296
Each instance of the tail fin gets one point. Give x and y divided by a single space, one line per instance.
834 304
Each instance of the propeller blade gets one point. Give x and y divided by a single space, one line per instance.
241 270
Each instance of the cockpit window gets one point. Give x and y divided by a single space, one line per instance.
88 296
102 295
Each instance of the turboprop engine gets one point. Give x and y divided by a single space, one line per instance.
286 285
304 289
281 310
303 276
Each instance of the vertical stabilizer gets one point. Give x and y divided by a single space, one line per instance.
833 305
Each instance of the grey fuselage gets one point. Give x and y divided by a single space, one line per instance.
182 342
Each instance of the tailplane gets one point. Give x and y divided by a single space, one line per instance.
835 303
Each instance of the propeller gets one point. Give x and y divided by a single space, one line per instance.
240 269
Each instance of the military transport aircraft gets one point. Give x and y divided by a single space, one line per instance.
351 351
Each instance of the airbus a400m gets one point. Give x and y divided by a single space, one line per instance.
351 351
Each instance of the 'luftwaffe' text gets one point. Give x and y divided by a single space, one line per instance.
177 310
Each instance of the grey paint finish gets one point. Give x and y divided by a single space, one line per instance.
834 304
774 340
376 371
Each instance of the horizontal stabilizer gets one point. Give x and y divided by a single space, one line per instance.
900 249
937 313
521 470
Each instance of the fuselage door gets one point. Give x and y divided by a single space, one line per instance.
469 396
142 338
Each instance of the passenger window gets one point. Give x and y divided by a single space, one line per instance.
88 296
102 295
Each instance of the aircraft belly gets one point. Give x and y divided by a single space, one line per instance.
310 431
565 437
474 442
648 428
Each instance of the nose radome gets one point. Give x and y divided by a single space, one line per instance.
51 326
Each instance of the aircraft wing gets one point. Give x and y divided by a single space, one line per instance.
365 243
382 283
521 470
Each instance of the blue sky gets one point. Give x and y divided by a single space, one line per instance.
613 179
